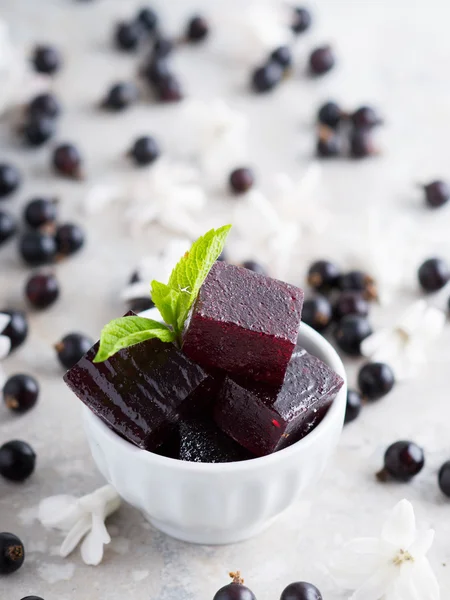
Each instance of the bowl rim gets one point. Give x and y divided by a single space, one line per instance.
332 359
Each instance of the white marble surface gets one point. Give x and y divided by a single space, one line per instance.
394 54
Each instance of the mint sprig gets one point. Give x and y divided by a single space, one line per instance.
173 300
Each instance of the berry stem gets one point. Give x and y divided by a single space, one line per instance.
382 475
236 577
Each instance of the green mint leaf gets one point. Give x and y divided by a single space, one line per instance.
167 302
127 331
191 271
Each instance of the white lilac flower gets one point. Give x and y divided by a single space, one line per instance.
391 567
5 346
404 345
81 519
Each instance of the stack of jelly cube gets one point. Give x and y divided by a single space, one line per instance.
240 387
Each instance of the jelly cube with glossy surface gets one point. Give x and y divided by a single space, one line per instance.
244 323
264 418
140 392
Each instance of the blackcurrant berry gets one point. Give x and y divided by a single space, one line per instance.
45 105
17 328
361 143
323 276
138 305
10 179
69 239
317 313
162 47
283 56
375 380
353 406
235 590
267 77
433 274
330 114
252 265
38 130
358 281
71 348
350 332
301 20
40 212
321 60
32 598
156 71
197 29
67 161
444 478
148 19
12 553
8 226
437 193
21 392
37 248
329 144
46 59
42 290
17 460
241 180
168 89
145 151
350 303
120 96
127 36
402 461
301 591
366 117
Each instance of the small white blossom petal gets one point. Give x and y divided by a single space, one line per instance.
5 346
365 553
375 587
4 321
75 535
424 582
92 546
400 526
422 543
60 512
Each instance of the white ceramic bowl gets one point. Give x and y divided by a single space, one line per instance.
220 503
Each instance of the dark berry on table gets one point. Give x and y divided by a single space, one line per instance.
41 212
138 305
12 553
197 29
46 59
17 328
323 276
241 180
37 248
366 117
162 47
353 406
32 598
350 332
350 303
145 150
235 590
134 277
128 35
10 179
402 461
17 460
38 130
67 161
444 478
317 313
148 19
120 96
168 89
268 76
329 144
45 105
69 239
71 348
330 114
358 281
156 71
361 143
301 591
375 380
283 56
301 20
20 392
252 265
437 193
321 60
42 290
8 226
434 274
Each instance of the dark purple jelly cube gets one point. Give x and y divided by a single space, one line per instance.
244 323
202 441
139 392
264 418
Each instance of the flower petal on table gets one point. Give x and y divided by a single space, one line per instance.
399 528
60 512
75 535
92 546
5 346
377 585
